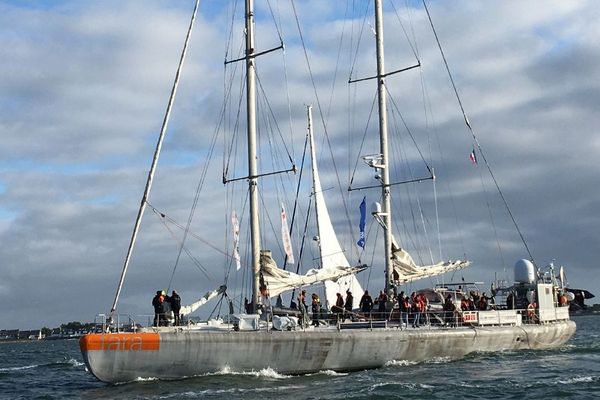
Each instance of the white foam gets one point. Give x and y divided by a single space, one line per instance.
18 368
149 379
399 363
439 360
263 373
577 379
74 362
329 372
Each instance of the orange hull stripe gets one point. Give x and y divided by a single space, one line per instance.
120 341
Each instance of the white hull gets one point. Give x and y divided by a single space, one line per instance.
182 352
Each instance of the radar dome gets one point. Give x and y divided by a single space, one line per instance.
524 271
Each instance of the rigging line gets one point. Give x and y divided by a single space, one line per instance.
161 217
302 244
235 128
360 34
199 188
287 92
377 228
194 235
475 138
297 194
491 214
228 233
275 22
268 123
431 128
405 228
272 114
270 221
412 26
337 61
411 175
437 219
226 103
230 36
408 130
404 30
154 160
362 143
312 79
443 164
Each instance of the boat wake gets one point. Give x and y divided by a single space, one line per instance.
10 369
71 362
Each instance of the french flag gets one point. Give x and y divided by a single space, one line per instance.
473 157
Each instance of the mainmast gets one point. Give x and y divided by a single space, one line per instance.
383 147
252 162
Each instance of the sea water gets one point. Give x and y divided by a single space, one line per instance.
54 370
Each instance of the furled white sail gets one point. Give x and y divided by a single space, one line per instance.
275 281
332 255
406 270
185 310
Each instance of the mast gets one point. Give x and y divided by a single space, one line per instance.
383 146
159 143
252 162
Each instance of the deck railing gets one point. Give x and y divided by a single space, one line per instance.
431 319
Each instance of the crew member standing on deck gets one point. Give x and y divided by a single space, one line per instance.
157 303
338 309
303 310
381 304
349 303
366 303
315 308
175 307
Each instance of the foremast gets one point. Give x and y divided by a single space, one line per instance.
252 161
385 214
150 178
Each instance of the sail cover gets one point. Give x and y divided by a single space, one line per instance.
406 270
276 281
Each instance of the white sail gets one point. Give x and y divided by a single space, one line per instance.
406 270
185 310
275 281
332 255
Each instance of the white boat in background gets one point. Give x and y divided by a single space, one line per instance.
247 342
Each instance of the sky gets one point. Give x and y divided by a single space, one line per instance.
84 87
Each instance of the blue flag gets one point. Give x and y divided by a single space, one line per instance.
361 224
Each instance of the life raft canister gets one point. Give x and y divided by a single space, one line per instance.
531 310
563 300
